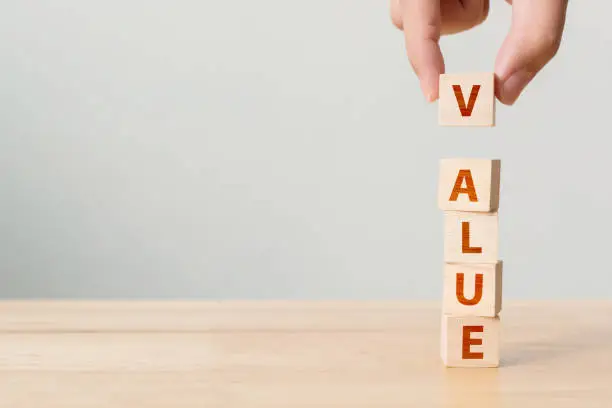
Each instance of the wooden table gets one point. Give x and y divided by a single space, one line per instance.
294 354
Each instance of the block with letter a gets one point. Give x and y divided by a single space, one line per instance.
469 185
467 99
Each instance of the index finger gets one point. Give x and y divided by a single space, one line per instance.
421 20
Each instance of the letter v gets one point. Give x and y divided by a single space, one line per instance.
466 111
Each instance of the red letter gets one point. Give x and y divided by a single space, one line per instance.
465 240
466 111
468 341
477 290
469 189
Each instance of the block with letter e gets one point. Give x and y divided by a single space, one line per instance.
470 341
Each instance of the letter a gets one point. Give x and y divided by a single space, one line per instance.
469 189
466 110
477 290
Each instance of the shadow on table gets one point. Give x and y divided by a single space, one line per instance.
560 345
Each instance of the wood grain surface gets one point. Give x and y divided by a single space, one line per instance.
294 354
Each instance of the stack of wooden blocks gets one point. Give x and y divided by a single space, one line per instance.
468 193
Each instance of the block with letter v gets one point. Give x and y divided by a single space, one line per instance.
467 99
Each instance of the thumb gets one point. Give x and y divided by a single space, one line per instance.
534 38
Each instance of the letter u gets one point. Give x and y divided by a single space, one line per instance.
477 290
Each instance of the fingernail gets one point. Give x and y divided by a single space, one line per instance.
513 86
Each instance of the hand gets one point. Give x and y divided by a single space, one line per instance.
534 38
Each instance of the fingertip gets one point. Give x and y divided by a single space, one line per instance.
396 14
508 90
430 86
429 65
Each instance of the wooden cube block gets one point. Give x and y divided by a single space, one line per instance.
472 289
467 99
470 341
471 237
469 185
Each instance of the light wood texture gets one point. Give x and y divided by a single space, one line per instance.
469 184
470 341
467 99
471 237
294 354
480 293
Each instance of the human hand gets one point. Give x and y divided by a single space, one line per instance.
533 40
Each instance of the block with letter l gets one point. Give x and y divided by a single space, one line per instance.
471 237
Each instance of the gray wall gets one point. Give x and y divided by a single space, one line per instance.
280 149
